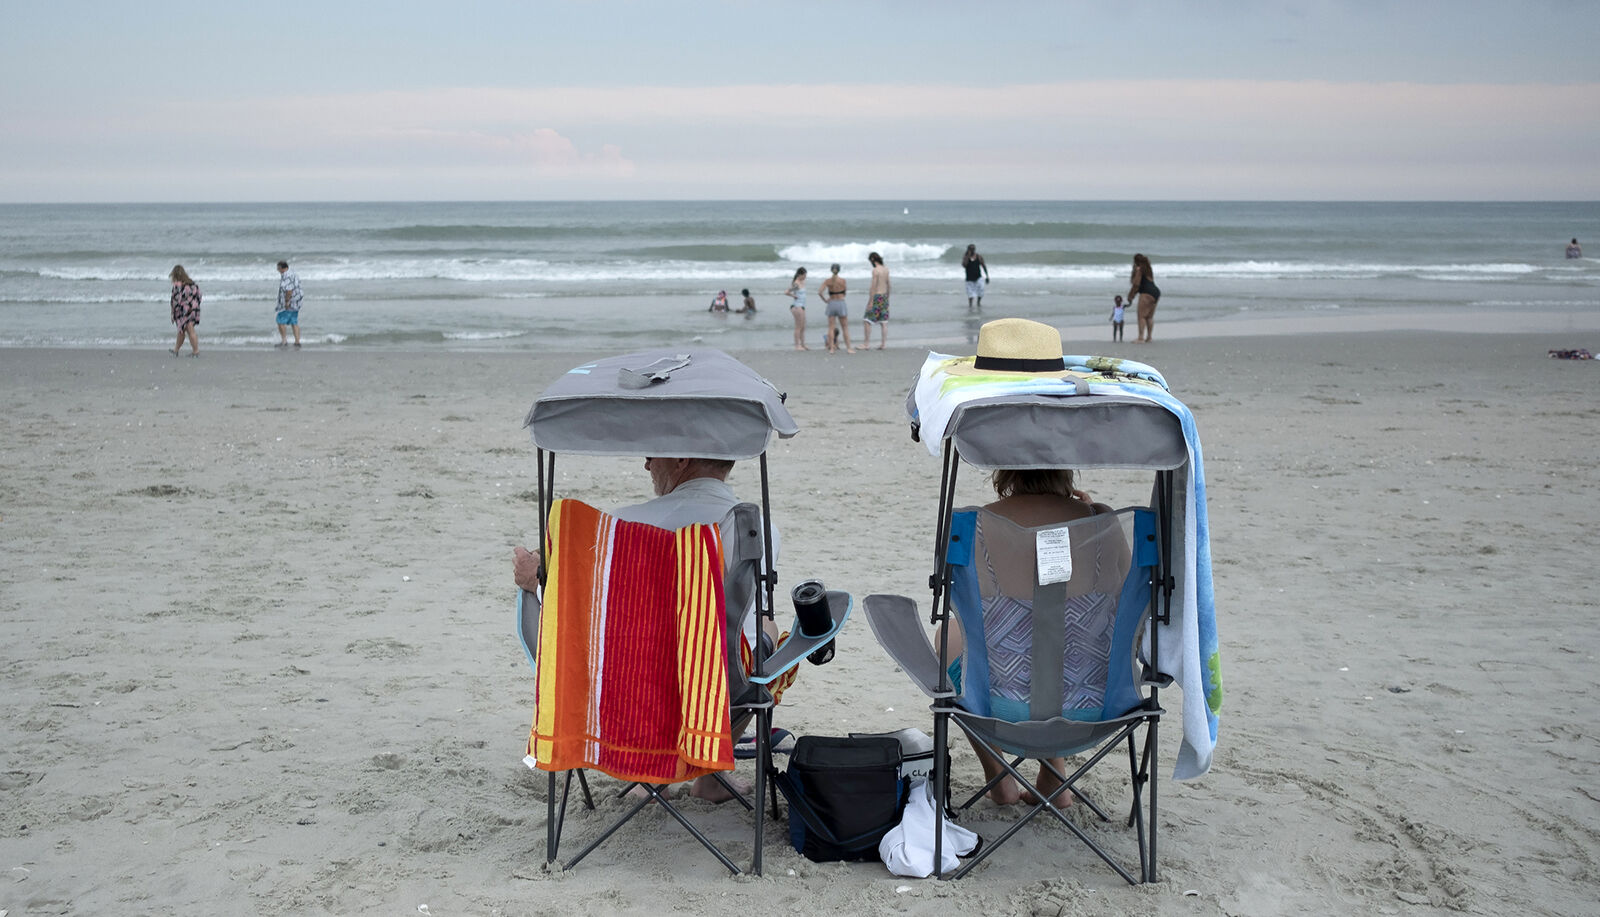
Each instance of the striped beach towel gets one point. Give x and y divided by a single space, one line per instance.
631 679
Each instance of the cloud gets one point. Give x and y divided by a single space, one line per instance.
542 149
1173 139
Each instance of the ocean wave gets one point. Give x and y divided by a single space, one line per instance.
473 270
706 252
1330 269
141 296
1534 303
471 232
719 264
856 252
162 341
481 335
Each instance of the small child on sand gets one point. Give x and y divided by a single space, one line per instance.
1116 319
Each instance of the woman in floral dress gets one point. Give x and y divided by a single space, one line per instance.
185 309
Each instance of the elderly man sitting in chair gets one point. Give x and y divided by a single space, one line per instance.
689 491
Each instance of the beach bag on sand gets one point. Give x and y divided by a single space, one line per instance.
844 795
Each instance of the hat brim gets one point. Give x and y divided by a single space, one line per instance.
963 366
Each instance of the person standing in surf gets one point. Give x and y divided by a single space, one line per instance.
977 276
797 308
832 295
1142 284
288 306
877 304
185 309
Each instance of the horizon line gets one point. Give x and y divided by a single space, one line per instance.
784 200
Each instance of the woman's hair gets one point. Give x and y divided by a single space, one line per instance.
180 275
1010 482
799 272
876 258
744 292
1140 261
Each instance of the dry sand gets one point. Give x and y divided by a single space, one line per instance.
224 695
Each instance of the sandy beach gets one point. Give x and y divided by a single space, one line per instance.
257 635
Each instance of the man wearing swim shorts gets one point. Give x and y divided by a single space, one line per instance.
877 304
288 306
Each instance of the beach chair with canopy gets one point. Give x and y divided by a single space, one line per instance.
1134 615
696 403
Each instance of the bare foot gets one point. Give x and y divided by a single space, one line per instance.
880 346
1005 793
711 789
639 792
1047 782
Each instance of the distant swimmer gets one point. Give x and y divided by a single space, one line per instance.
719 302
1574 250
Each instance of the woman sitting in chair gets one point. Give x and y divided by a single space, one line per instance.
1030 500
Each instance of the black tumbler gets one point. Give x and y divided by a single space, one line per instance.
811 607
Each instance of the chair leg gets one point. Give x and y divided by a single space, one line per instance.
1150 757
588 800
552 827
654 794
763 761
941 786
1044 805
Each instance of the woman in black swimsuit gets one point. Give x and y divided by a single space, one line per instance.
1143 290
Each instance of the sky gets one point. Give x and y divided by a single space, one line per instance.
739 99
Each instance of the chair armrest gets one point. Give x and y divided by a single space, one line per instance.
528 608
898 627
798 646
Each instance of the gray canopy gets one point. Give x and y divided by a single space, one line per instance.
690 403
1075 431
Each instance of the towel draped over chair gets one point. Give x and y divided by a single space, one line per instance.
631 674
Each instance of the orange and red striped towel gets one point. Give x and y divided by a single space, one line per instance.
631 674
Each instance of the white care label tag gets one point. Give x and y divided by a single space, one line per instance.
1053 551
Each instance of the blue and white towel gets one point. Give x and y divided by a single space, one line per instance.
1194 659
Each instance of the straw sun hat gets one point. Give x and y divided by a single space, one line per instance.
1014 345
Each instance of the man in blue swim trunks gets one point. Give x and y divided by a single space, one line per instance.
288 306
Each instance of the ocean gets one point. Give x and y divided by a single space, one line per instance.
626 275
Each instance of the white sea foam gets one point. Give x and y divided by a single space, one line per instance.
904 261
1312 269
856 252
469 270
481 335
142 296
